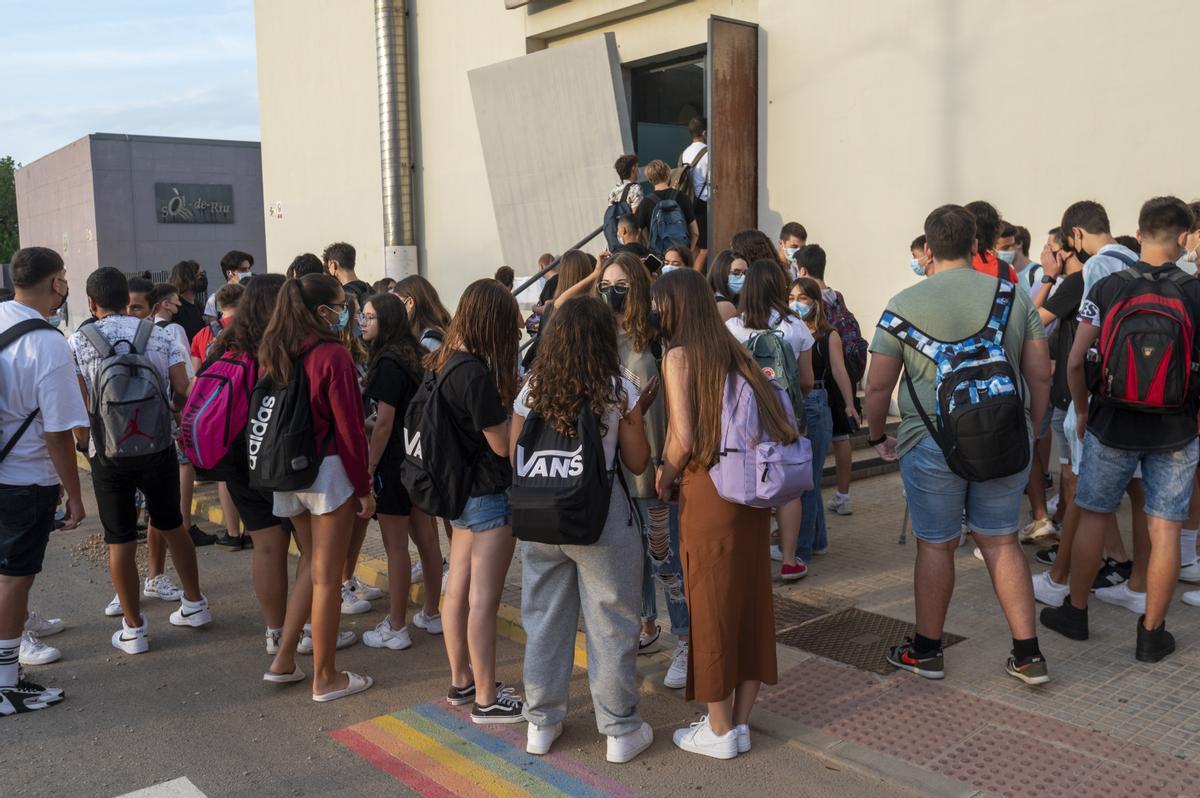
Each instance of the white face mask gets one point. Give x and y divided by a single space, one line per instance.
1190 256
791 253
668 268
56 319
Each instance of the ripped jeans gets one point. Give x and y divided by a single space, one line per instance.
661 564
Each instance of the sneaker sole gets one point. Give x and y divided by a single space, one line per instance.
792 577
1136 610
495 721
1156 657
142 649
458 702
922 672
353 611
113 613
707 752
197 621
1043 679
388 645
35 662
674 685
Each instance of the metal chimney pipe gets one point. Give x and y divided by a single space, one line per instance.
391 46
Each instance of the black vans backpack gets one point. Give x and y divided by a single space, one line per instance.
281 445
437 469
980 425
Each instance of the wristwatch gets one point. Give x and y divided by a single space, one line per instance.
1048 280
878 441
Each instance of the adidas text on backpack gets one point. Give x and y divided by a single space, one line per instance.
668 227
1147 362
980 410
129 409
281 446
437 469
561 486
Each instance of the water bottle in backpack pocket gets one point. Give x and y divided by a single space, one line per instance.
281 445
129 410
980 408
751 468
216 411
437 470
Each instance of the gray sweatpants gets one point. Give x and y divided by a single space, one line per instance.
605 581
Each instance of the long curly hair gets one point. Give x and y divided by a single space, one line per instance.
635 320
578 366
244 334
487 324
394 336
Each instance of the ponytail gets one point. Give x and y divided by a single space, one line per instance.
294 322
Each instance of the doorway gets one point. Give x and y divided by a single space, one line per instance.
664 95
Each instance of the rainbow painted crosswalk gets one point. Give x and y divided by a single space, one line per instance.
440 754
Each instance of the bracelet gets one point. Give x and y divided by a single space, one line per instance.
878 441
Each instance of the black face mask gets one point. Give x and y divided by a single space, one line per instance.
615 296
655 322
202 283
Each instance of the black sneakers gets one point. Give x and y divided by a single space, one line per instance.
200 537
1067 620
1047 556
25 696
506 709
930 666
1112 573
231 542
1153 645
457 696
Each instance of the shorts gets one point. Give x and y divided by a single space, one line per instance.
256 507
391 497
1060 436
26 518
1075 446
1047 418
937 497
117 482
180 455
701 210
1105 472
329 491
484 513
841 422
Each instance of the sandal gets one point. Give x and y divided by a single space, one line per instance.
357 684
285 678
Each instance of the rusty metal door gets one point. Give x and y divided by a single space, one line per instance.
732 129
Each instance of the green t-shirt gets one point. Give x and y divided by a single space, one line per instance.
948 306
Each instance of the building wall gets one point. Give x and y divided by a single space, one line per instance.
55 210
319 116
130 237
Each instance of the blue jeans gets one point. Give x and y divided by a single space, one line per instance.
665 569
813 534
1167 476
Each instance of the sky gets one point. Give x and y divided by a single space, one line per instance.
155 67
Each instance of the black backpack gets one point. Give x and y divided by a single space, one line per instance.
7 338
612 215
561 486
437 469
281 445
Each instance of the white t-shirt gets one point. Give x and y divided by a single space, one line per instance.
611 420
181 342
700 173
210 307
795 331
1104 263
37 373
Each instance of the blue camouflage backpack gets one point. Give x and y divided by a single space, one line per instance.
612 215
980 408
668 228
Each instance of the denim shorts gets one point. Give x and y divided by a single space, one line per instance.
484 513
1105 471
1061 442
937 497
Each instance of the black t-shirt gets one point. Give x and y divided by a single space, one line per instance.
395 385
548 290
360 289
190 318
470 393
1064 304
646 207
1121 428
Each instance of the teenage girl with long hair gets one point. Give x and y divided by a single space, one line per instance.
579 370
726 276
727 570
393 374
831 393
477 369
427 316
304 333
762 305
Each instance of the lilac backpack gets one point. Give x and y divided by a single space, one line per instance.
751 469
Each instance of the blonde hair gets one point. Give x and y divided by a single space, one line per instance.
658 172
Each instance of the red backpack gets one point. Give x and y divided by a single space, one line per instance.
1146 344
217 408
854 346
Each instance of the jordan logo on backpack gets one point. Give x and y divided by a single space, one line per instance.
980 411
132 430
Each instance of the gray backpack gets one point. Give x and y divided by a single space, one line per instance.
130 414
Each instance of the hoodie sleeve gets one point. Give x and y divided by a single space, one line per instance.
333 382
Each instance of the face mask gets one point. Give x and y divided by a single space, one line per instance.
653 320
802 310
736 281
244 277
1009 256
55 320
667 268
791 253
1189 256
615 296
202 283
917 268
342 320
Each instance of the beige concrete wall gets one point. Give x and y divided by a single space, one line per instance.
319 114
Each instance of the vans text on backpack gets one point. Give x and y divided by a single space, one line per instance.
7 338
281 446
668 227
129 409
980 410
1144 359
854 346
437 470
216 411
681 176
752 469
613 214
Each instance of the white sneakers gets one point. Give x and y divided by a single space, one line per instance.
677 674
1190 572
840 504
624 748
699 738
114 607
538 739
35 652
132 641
363 590
743 737
271 638
1047 591
385 636
352 604
1191 597
1040 529
192 613
162 587
776 553
345 639
43 627
417 572
430 623
1122 596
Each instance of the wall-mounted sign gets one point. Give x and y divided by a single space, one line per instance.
194 203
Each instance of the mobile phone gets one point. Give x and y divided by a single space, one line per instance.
653 262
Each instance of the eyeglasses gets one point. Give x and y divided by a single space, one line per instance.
618 284
369 317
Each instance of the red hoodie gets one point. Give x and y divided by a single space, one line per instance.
335 398
988 263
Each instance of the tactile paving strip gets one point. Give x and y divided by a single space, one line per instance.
855 637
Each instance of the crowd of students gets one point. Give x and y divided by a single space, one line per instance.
671 406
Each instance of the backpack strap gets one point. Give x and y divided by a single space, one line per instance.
7 338
97 340
141 338
1121 256
625 193
699 155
